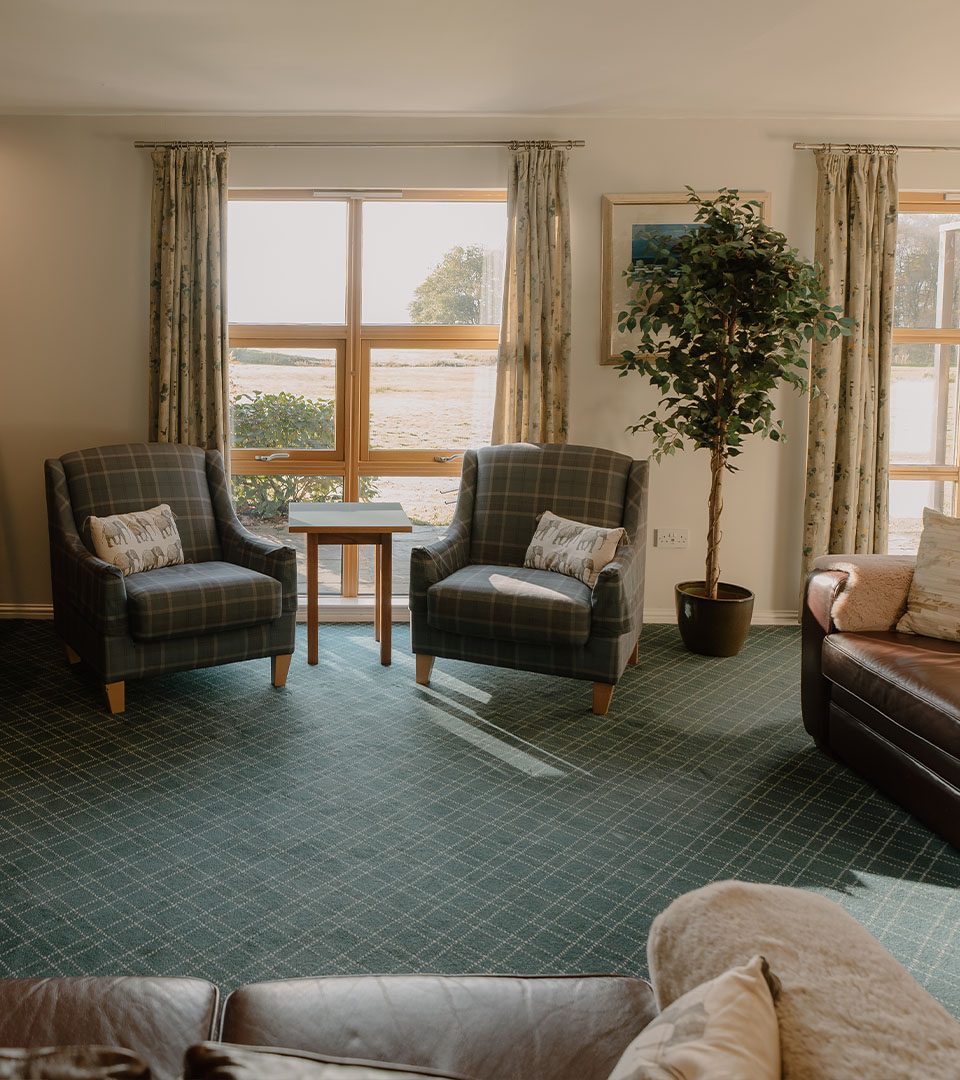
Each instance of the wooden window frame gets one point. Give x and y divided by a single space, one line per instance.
352 457
928 202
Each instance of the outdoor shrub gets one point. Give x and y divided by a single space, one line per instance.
268 421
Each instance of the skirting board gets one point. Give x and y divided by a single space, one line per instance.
360 609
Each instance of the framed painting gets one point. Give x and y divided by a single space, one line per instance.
634 227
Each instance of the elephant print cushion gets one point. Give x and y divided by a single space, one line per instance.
726 1027
572 548
143 540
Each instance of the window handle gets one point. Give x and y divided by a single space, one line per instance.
269 457
446 457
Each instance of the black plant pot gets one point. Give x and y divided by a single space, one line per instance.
713 627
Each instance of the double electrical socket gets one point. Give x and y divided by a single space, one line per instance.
670 538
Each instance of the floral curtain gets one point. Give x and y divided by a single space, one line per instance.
534 358
845 510
188 310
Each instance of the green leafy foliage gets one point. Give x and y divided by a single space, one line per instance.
274 421
265 421
725 314
450 294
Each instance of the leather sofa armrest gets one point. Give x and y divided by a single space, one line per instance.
820 593
487 1027
156 1018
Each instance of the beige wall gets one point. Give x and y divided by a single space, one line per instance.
74 218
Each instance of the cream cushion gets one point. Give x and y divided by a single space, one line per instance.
846 1008
933 603
138 541
726 1027
571 547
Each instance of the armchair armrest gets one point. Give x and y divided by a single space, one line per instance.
91 587
618 594
268 557
84 587
430 563
240 546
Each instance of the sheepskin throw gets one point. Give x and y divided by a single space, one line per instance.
724 1027
846 1007
874 596
933 606
572 548
145 540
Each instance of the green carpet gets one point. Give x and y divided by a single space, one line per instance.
355 822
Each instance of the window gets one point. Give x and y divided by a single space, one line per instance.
924 448
363 344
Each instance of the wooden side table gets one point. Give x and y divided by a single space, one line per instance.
351 523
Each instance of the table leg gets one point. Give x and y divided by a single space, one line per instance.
386 596
376 593
313 650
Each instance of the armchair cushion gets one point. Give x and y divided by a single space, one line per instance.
139 541
570 547
511 602
199 598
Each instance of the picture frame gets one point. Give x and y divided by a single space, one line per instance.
628 222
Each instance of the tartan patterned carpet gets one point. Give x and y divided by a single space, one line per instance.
355 822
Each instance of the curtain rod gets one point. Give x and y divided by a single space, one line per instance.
869 148
513 144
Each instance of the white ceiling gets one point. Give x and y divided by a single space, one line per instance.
812 58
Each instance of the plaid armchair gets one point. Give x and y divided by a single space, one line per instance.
234 598
472 599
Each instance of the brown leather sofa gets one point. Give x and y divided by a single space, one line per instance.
887 704
480 1026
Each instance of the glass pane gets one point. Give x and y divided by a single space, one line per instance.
433 262
923 405
287 261
262 502
429 502
907 500
283 398
422 398
926 281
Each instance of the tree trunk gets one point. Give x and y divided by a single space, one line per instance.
714 508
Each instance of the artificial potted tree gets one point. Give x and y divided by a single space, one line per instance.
724 314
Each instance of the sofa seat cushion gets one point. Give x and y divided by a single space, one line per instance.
514 603
199 598
913 680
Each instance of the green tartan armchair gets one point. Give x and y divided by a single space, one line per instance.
471 598
234 598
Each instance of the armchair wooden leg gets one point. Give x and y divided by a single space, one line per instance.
279 666
635 655
73 657
424 667
116 696
602 696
